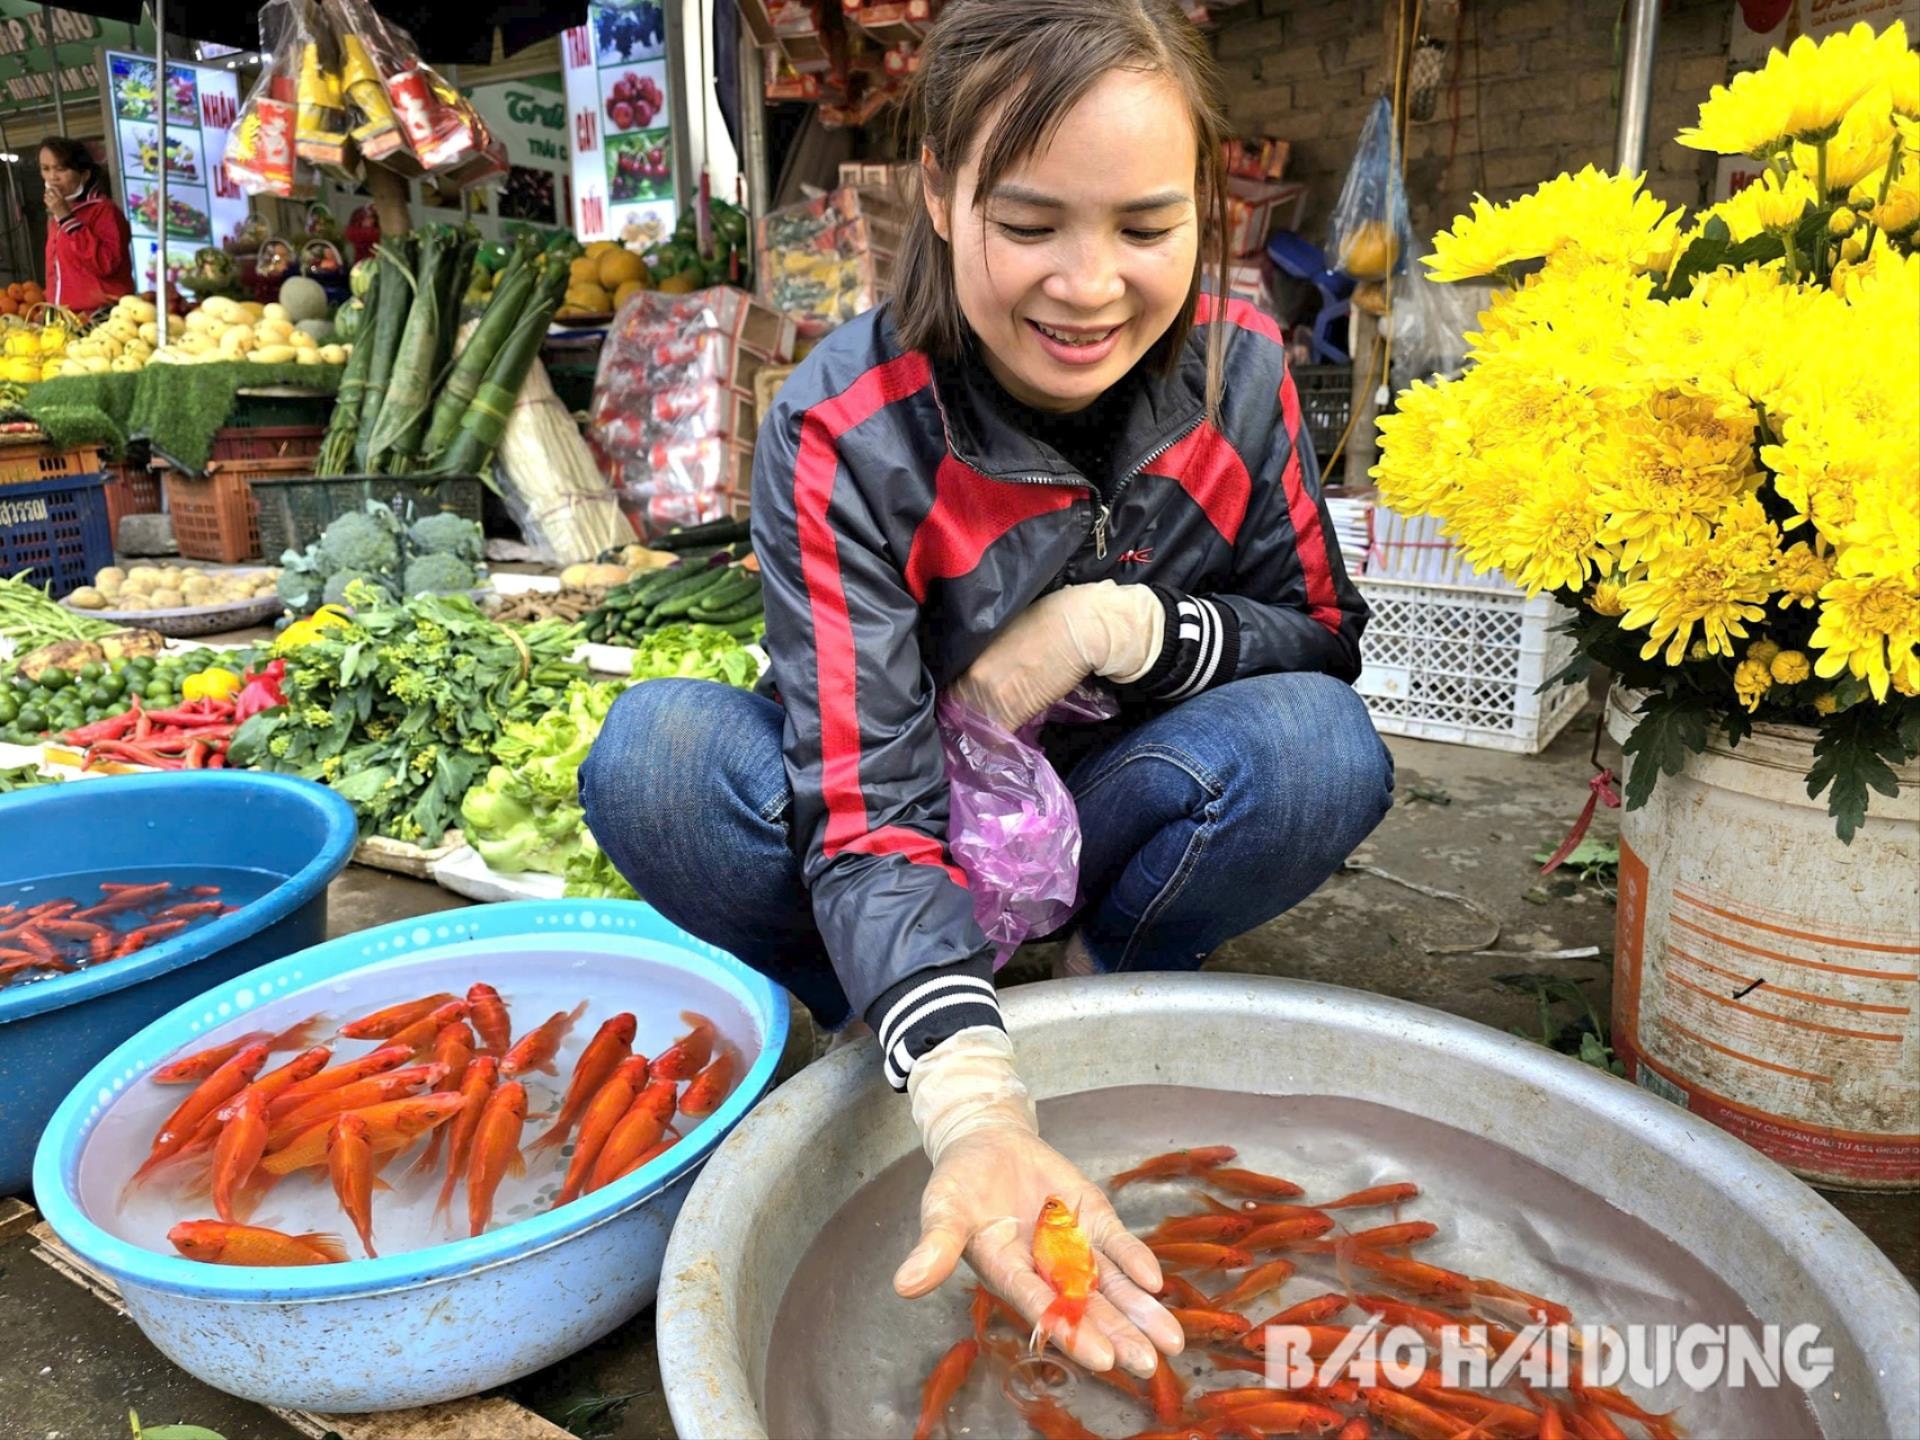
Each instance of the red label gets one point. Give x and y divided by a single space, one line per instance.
1629 941
216 111
584 130
579 47
593 215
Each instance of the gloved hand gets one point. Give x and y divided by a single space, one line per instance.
1058 641
991 1174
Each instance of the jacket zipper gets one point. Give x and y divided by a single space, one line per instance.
1105 516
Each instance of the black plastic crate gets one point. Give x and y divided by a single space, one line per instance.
1326 404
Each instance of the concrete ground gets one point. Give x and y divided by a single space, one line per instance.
1466 821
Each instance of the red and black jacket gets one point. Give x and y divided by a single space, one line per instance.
900 523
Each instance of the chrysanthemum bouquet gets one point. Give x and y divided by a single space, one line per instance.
1704 437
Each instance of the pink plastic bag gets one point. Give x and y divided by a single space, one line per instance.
1012 825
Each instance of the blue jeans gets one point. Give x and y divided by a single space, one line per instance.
1199 824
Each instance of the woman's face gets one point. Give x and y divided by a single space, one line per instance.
1084 253
57 176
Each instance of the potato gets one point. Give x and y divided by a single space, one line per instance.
108 588
132 600
147 575
110 574
167 599
87 598
190 583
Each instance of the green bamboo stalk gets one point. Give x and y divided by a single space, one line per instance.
396 298
403 412
337 449
503 311
485 421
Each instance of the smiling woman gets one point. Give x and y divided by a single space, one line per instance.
1053 458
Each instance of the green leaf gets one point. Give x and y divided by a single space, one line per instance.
1856 751
1909 729
180 1432
1712 249
1671 728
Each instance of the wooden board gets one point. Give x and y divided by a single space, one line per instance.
16 1216
481 1417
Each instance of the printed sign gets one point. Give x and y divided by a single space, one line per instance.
620 122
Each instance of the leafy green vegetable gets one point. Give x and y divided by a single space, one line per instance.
527 815
23 777
694 652
590 874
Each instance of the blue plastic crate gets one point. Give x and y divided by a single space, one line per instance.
57 529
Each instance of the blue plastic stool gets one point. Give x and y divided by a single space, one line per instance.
1295 255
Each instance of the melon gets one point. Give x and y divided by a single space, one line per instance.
320 330
303 299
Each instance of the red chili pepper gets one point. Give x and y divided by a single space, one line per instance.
190 910
217 760
197 755
187 715
111 728
137 754
147 934
143 723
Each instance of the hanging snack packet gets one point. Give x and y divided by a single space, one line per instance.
364 55
320 134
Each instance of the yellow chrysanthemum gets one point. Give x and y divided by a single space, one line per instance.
1751 683
1870 628
1608 218
1897 66
1763 650
1826 703
1768 203
1882 536
1672 467
1861 147
1800 574
1424 447
1790 667
1553 538
1605 599
1747 116
1719 586
1823 81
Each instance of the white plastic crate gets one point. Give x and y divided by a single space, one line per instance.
1465 665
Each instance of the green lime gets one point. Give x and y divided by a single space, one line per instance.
113 686
55 679
92 670
31 720
137 687
8 709
159 697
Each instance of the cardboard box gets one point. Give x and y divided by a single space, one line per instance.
892 22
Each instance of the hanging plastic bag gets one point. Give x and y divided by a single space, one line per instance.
1012 825
261 157
1372 234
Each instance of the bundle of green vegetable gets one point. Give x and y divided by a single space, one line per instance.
710 595
437 554
526 815
30 619
398 709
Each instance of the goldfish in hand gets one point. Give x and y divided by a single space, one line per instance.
496 1151
216 1242
1063 1256
350 1167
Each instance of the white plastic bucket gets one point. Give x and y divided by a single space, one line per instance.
1766 976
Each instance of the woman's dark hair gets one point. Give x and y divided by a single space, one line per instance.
1040 57
75 156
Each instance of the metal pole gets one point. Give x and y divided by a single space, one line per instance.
753 126
160 287
1636 86
53 57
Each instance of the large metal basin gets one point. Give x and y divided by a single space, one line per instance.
1740 1222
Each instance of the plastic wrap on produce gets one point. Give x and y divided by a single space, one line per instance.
826 260
672 419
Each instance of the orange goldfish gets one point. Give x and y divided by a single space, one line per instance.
609 1103
1494 1417
707 1089
393 1125
1255 1283
1252 1183
271 1085
1054 1421
372 1063
453 1048
1599 1423
1063 1256
1545 1311
635 1132
482 1073
535 1050
1380 1237
350 1167
1448 1285
1200 1255
1283 1415
419 1037
204 1063
1552 1427
1376 1195
1413 1418
1608 1398
1176 1290
611 1044
242 1142
490 1018
1203 1326
383 1024
1224 1228
495 1151
374 1090
213 1092
1358 1429
980 1311
686 1057
1166 1392
1175 1163
1317 1311
1278 1233
217 1242
659 1147
949 1374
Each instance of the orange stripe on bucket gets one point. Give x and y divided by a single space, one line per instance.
1783 1019
1677 1027
1676 953
1695 900
1732 944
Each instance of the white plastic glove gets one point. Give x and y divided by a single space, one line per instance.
1058 641
991 1174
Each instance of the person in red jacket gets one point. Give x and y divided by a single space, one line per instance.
89 263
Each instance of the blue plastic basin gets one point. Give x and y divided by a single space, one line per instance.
51 1031
447 1319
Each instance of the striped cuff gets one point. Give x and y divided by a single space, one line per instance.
930 1006
72 225
1201 648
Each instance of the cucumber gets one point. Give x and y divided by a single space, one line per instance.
738 586
681 601
714 532
748 609
650 585
748 630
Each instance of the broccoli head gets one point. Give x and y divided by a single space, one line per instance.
445 533
440 574
361 540
335 592
299 590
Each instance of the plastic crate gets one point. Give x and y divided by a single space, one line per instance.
214 515
57 529
1445 662
1326 404
252 412
27 464
132 489
295 507
268 442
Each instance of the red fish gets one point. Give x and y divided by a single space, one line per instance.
1225 1229
1166 1392
611 1044
1255 1283
1380 1237
1176 1290
453 1048
707 1089
1063 1256
943 1383
1547 1312
394 1125
483 1071
1200 1255
1376 1195
535 1050
609 1103
374 1090
382 1024
495 1152
1053 1421
980 1312
213 1092
636 1131
1175 1163
688 1055
1317 1311
1252 1183
1494 1417
270 1086
1358 1429
1447 1285
1205 1326
350 1167
202 1064
490 1018
659 1147
243 1140
1414 1418
1596 1421
1276 1234
217 1242
1282 1415
1552 1427
420 1036
372 1063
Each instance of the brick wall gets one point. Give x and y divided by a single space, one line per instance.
1535 94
